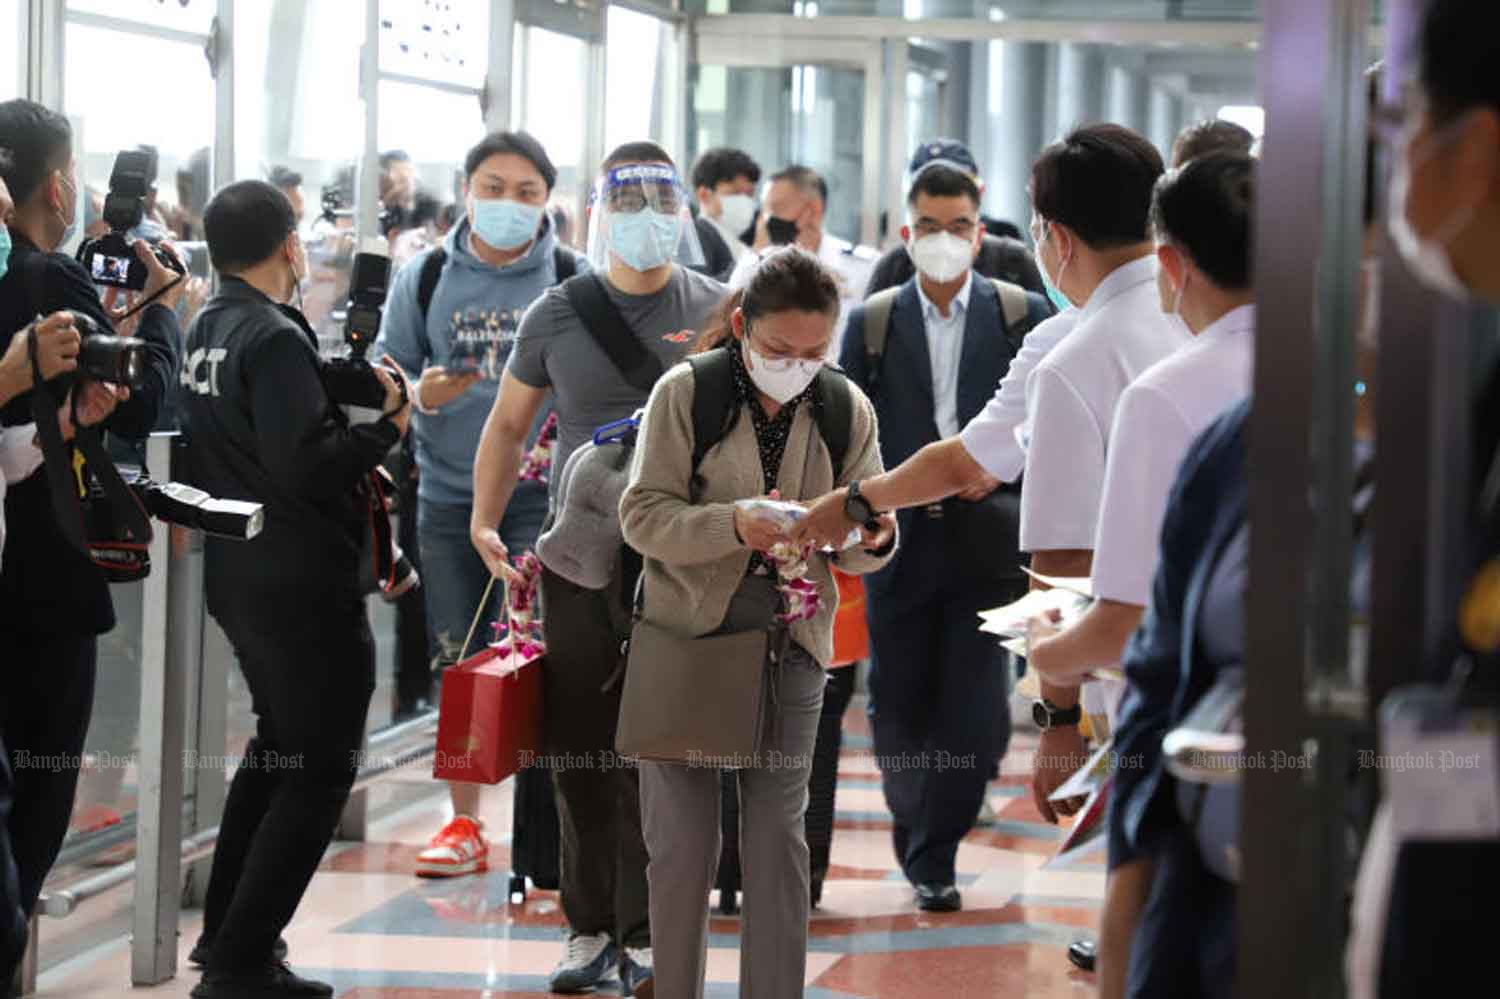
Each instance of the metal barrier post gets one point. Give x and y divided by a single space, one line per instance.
166 657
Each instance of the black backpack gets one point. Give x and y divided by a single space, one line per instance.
715 405
432 273
716 409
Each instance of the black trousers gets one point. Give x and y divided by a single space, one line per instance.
935 681
413 656
12 919
603 875
46 698
310 667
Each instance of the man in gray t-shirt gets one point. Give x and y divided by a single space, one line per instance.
640 206
554 351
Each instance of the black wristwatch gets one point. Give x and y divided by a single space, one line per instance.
1049 716
859 510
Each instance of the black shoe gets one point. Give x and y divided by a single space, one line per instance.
817 892
274 981
1082 953
938 898
198 958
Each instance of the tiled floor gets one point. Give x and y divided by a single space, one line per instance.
376 932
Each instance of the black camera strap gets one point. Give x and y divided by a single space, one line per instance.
63 483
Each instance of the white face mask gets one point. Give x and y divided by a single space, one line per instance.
942 257
736 211
781 378
1427 257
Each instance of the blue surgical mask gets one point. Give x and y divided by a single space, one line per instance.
506 225
1060 300
4 251
644 240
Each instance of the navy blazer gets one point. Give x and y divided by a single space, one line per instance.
904 405
1163 662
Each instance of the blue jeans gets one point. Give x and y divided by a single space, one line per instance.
454 577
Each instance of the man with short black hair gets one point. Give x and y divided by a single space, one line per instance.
451 324
262 427
929 355
1091 195
1212 135
54 600
289 182
724 181
1000 256
567 344
793 212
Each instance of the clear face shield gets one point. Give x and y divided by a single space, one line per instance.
640 217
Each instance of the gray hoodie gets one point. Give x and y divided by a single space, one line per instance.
471 323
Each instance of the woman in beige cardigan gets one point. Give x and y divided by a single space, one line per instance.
710 566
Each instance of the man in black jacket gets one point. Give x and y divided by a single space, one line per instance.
54 602
262 427
999 256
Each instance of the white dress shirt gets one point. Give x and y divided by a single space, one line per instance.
945 347
1071 398
997 438
851 265
19 458
1158 417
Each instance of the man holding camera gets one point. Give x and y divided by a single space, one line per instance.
263 427
54 601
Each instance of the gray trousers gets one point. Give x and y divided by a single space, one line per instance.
680 816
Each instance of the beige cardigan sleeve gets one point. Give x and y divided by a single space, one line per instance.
655 513
864 463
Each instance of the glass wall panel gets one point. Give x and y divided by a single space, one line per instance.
298 116
912 10
812 115
633 71
12 56
116 111
554 109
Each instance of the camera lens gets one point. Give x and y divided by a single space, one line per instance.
116 359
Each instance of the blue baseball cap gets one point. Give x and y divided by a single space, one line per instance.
948 152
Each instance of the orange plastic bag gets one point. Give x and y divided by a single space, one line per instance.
851 633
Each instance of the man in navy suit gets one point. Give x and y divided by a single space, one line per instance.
930 355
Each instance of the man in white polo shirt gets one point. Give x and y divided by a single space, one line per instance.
1091 196
1201 217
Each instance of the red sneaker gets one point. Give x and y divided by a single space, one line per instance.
459 849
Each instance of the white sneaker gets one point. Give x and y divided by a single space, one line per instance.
586 961
636 974
987 814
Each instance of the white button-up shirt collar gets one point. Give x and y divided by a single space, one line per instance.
1119 281
945 347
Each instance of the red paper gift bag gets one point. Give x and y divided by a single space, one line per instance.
490 717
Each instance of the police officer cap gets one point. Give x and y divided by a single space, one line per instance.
948 152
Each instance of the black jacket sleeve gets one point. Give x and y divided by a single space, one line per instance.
137 416
67 286
305 444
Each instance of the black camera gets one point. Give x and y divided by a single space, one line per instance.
351 380
110 260
120 360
